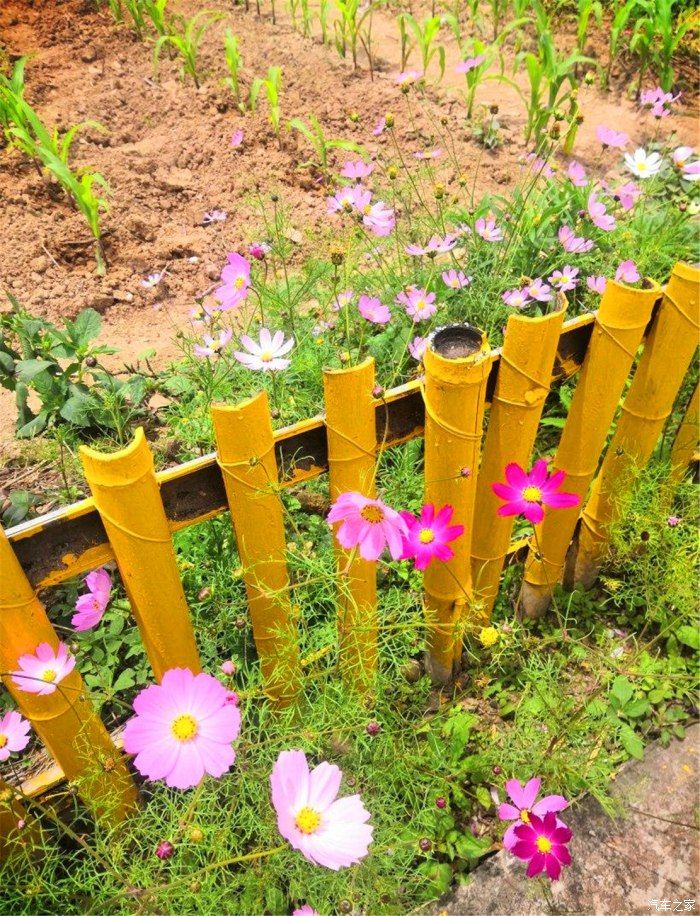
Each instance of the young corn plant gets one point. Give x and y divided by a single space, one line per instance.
323 8
617 28
349 30
156 12
186 42
272 84
135 9
306 19
656 37
321 144
586 9
233 65
424 35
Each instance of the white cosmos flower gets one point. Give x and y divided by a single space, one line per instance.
265 354
643 164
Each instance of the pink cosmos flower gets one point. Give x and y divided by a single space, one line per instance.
456 279
488 230
565 279
40 673
368 524
627 272
429 536
236 138
183 728
14 734
611 138
327 830
681 155
201 315
214 216
515 298
379 127
418 303
213 346
152 280
596 284
407 77
265 354
539 166
357 169
341 300
599 215
525 493
691 171
471 63
657 101
574 244
259 250
537 289
417 347
373 310
542 843
435 245
305 910
235 281
379 218
228 668
347 199
524 805
628 194
577 174
428 154
91 607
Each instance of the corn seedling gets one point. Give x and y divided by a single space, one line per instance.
655 40
186 42
586 9
115 8
323 8
617 28
156 12
320 143
348 29
306 18
424 34
272 85
293 8
135 9
233 64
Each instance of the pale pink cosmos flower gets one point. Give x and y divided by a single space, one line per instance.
236 138
418 303
407 77
379 127
213 346
346 199
471 63
417 347
524 805
305 910
430 535
326 830
643 164
90 608
524 493
183 728
681 155
41 672
539 166
374 310
488 230
537 289
379 218
428 154
214 216
516 298
357 169
599 215
627 272
574 244
266 353
455 279
235 282
658 101
691 171
542 844
577 174
565 279
628 194
596 284
615 139
14 734
368 524
152 280
436 245
342 299
201 315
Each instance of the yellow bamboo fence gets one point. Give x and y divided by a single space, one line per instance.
685 445
133 512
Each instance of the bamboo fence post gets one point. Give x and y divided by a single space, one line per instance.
65 721
524 379
617 333
457 366
686 442
352 443
127 496
246 455
649 402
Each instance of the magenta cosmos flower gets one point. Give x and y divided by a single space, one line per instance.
418 303
417 347
471 63
526 493
611 138
574 244
525 805
627 194
374 310
212 346
542 843
41 672
368 524
565 279
183 728
357 169
305 910
488 230
456 279
236 138
235 280
14 734
430 535
599 215
577 174
90 608
327 830
436 245
627 272
266 354
596 284
516 298
539 290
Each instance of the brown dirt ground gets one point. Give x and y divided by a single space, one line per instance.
168 159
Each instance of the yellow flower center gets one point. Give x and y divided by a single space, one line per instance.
308 820
48 675
266 356
367 209
3 740
543 844
426 536
641 166
525 816
184 727
532 494
239 282
372 514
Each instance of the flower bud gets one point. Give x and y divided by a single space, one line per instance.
440 803
164 849
373 728
389 119
425 844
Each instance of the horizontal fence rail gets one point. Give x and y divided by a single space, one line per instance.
72 540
